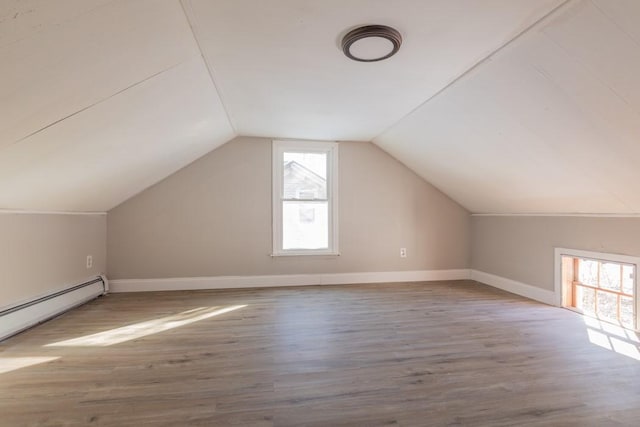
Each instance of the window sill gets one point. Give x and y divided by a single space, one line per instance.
304 253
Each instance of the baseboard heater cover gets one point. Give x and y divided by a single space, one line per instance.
28 314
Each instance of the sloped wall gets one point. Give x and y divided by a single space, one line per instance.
43 253
213 218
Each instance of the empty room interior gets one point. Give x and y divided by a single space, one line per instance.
319 213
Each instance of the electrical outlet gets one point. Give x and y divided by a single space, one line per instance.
89 261
403 252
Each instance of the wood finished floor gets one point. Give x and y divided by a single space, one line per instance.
423 354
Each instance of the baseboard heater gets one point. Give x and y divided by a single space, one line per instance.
25 315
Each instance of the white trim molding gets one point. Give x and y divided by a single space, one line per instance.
239 282
515 287
27 212
560 215
330 149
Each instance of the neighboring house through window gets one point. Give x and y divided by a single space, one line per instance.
305 198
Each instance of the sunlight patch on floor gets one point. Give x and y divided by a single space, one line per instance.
613 337
143 329
8 364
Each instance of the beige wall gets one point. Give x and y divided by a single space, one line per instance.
40 253
213 218
522 248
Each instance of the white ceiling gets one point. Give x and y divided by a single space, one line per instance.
549 124
508 106
99 100
281 72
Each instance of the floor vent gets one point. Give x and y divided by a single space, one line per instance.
25 315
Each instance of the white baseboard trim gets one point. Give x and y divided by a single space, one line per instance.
515 287
238 282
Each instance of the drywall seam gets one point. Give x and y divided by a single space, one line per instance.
479 63
192 22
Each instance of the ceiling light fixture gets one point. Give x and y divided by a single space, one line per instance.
371 43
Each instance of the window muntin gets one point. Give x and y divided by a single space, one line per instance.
604 289
305 198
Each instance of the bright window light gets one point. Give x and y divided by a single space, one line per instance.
8 364
613 338
143 329
305 187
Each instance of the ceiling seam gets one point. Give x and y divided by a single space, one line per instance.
594 73
596 77
478 64
187 10
68 116
615 22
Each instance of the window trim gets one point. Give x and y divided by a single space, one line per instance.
559 253
279 147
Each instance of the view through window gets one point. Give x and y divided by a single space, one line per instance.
305 210
304 197
601 289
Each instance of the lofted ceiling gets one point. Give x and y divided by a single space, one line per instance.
551 123
99 100
508 106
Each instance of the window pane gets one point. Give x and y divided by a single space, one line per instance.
610 276
305 225
588 272
305 176
585 300
607 306
627 279
626 311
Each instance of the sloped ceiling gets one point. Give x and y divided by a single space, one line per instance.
508 106
549 124
281 72
99 100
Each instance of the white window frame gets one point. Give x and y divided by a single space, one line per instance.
278 150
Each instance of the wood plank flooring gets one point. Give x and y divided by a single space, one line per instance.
419 354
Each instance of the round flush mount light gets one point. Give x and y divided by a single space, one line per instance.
371 43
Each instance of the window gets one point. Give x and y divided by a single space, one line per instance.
600 288
305 195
